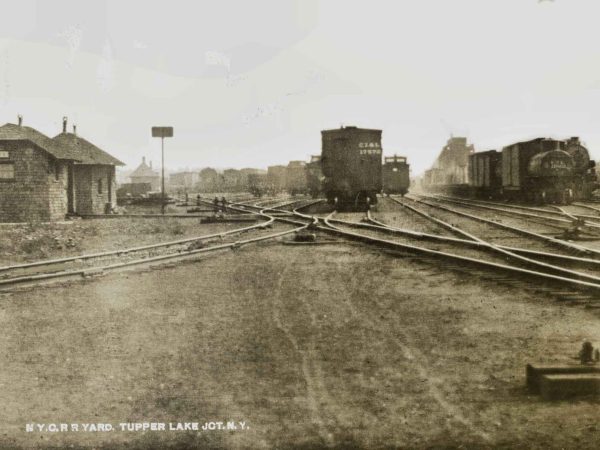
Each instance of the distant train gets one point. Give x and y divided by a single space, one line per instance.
314 176
541 171
396 176
351 165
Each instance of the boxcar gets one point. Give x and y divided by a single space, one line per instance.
485 174
396 177
351 164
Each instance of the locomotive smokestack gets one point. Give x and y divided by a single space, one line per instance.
20 119
64 124
74 129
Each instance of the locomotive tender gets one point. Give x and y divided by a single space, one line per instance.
396 178
541 170
351 165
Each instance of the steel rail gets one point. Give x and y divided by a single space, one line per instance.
584 285
179 256
541 237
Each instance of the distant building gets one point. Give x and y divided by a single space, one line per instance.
144 174
209 180
43 179
453 161
183 180
276 176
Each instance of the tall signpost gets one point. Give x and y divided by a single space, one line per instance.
162 133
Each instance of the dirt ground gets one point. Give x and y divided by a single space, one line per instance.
32 242
311 346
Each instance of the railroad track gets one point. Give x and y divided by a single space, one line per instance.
89 265
556 214
563 283
566 246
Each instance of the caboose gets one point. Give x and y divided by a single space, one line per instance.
351 165
396 178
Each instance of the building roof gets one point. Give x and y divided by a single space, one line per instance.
84 151
144 170
12 132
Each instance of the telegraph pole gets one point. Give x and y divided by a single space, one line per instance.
162 133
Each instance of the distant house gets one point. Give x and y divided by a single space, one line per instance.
183 180
144 174
43 179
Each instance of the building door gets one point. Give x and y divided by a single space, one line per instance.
110 187
70 189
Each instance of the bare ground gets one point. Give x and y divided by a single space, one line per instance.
312 346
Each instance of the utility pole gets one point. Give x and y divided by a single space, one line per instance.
162 133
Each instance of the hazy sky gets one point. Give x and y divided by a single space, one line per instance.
251 83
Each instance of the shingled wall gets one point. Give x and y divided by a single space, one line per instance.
88 199
38 191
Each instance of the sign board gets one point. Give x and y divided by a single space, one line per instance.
162 132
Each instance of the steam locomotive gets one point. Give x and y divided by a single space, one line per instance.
541 171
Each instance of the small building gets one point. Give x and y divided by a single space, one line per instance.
93 184
41 178
144 174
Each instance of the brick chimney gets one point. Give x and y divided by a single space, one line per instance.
20 119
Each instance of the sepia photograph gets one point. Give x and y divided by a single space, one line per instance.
300 224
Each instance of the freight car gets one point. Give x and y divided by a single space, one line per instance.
295 177
314 175
351 165
485 174
396 178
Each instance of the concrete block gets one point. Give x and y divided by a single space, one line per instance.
535 372
562 386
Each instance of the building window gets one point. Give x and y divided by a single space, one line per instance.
3 154
99 185
7 171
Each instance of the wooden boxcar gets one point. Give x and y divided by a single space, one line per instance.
485 174
351 164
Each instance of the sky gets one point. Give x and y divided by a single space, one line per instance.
250 83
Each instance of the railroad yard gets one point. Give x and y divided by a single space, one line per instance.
300 225
408 326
